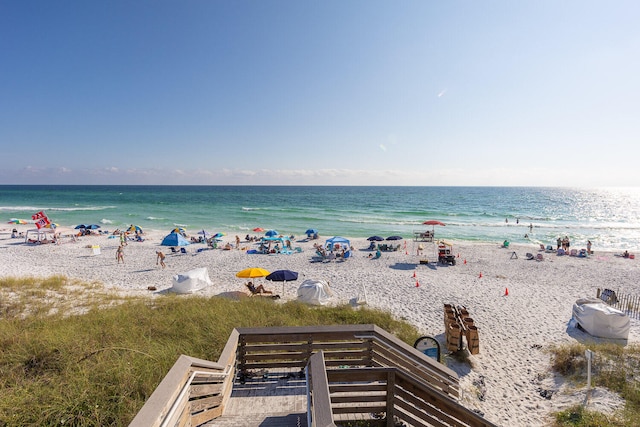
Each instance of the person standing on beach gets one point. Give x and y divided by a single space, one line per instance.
237 242
589 247
160 259
120 254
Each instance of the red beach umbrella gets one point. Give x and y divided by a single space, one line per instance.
433 222
258 229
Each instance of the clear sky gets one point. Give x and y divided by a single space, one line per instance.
332 92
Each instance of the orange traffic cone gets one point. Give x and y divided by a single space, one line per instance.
465 262
506 292
417 284
414 274
480 277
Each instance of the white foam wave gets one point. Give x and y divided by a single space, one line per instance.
153 218
250 209
106 221
37 209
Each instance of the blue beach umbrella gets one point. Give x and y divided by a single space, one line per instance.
311 231
375 239
79 226
282 276
271 233
93 226
394 238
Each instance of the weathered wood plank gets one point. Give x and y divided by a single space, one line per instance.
198 405
356 388
204 390
358 398
321 403
410 404
159 403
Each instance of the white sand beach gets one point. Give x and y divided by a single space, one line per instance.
506 377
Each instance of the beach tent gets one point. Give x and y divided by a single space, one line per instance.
191 281
600 319
314 292
174 239
38 234
337 242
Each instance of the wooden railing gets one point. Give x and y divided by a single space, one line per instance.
351 369
193 392
343 345
319 412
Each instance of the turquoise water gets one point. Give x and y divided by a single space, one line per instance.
610 218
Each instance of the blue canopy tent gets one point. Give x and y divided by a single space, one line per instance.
337 242
174 239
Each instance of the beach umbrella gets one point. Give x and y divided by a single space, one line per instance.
394 238
218 235
252 272
204 233
179 230
311 231
433 223
16 221
92 226
258 229
79 226
282 276
375 239
271 233
134 228
51 225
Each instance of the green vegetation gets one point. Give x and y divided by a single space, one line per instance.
614 367
73 354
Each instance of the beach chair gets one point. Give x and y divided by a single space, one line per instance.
549 249
539 257
542 247
174 251
183 250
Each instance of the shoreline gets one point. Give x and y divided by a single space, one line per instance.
514 329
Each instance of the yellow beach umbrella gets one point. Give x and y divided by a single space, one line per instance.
250 273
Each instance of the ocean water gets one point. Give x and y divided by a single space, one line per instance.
610 218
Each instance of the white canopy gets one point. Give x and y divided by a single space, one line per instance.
38 234
600 319
315 292
191 281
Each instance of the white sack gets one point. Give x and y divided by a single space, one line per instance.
600 319
315 292
191 281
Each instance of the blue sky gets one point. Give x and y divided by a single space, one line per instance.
320 93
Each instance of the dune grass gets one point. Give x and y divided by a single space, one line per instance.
73 354
614 367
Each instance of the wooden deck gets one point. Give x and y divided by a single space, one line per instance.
267 398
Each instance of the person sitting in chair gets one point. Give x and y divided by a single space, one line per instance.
255 290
